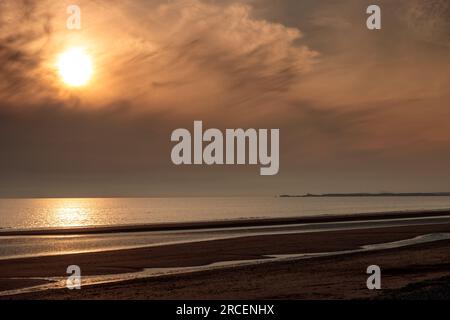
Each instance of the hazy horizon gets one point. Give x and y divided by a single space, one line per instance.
349 194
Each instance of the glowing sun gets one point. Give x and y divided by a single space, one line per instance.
75 67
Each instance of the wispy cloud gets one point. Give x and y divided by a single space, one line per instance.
340 93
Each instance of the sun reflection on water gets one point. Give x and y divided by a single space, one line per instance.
71 212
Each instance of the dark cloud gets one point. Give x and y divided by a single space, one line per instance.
20 70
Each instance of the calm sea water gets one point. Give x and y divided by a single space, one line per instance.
50 213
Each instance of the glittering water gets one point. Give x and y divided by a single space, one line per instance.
50 213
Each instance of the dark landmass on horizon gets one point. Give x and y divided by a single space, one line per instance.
383 194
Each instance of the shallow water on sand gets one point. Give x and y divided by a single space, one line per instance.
29 246
60 282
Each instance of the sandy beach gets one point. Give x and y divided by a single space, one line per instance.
337 276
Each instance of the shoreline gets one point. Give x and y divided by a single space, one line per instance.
240 223
321 278
431 260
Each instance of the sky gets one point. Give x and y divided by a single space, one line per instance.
358 110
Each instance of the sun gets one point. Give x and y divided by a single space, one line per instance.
75 67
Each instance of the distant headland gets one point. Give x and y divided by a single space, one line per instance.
383 194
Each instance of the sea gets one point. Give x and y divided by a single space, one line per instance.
89 212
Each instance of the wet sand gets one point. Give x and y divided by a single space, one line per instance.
322 278
334 277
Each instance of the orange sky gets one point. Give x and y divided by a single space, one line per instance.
358 110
